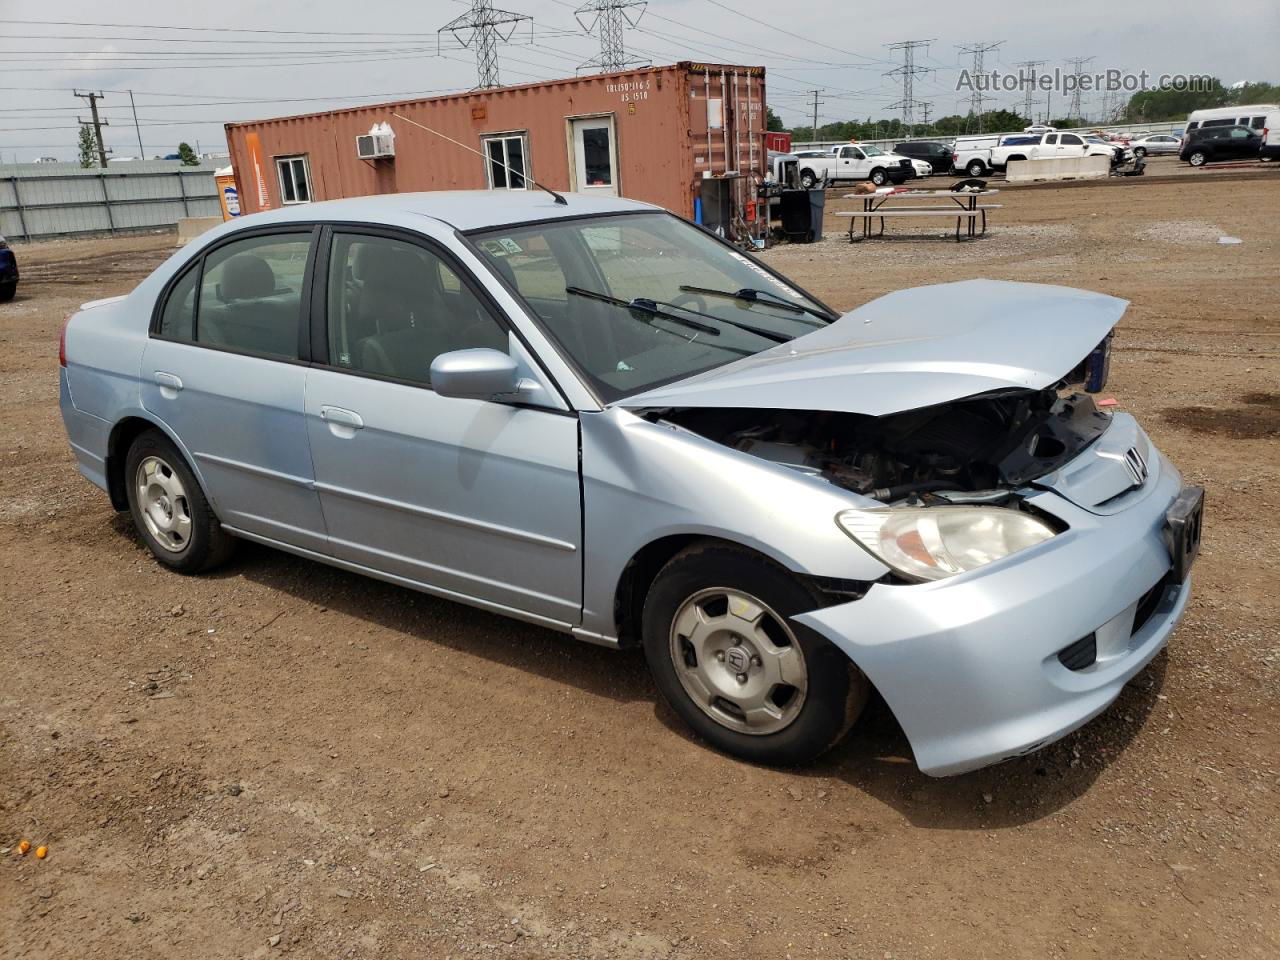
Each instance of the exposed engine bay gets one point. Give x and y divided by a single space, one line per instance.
984 445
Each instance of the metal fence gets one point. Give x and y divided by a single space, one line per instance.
1131 129
40 201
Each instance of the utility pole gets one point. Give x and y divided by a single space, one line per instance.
816 101
976 98
908 72
98 124
1077 71
484 26
609 16
1028 76
142 154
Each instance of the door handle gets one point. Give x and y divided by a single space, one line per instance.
169 384
342 423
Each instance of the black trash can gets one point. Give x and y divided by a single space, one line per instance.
802 214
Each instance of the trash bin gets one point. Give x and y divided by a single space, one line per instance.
802 214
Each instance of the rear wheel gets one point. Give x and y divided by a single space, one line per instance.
808 179
1139 151
1198 158
976 168
725 654
170 510
7 290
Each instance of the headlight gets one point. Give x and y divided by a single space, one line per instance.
930 543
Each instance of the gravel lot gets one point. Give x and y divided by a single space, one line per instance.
284 758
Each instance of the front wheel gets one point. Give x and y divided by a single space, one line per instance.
879 177
1139 151
1198 158
170 510
7 290
807 179
725 654
976 168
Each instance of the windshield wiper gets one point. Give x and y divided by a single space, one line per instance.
751 295
655 309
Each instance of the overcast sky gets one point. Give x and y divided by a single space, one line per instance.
323 53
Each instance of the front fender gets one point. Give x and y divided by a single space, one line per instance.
644 481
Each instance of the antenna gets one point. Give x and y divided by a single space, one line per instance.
522 176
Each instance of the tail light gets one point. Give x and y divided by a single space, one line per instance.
62 341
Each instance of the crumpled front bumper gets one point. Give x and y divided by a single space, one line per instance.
969 665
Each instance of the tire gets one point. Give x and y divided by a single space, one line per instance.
802 692
976 168
169 510
1198 158
7 290
1139 151
807 179
879 177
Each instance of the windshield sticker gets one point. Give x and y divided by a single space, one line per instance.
756 268
501 247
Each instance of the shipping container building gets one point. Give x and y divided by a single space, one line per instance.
688 137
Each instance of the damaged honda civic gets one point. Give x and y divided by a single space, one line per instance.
597 417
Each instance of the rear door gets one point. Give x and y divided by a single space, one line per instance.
224 370
474 498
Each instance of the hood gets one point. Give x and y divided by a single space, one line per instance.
913 348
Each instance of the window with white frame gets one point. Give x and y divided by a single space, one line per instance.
505 165
295 179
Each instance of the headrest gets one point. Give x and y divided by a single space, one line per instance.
393 268
246 276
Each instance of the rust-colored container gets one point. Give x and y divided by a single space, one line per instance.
653 134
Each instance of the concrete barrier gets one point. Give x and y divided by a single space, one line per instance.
1058 168
191 227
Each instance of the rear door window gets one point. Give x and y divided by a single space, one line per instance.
251 295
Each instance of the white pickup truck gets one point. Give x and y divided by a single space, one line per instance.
979 156
856 162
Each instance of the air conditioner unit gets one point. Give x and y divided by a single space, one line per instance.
379 143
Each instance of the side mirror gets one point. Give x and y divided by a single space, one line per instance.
479 373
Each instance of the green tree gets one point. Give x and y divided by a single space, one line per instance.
187 155
1165 103
772 121
88 147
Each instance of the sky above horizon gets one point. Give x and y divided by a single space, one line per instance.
246 61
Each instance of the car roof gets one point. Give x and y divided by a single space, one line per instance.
461 209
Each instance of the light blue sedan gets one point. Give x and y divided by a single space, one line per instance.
591 415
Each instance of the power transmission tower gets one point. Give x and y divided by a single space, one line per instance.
97 123
925 107
1027 74
486 28
976 97
1077 71
609 16
907 72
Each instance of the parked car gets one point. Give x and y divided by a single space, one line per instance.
1262 117
932 152
1156 144
856 162
1211 144
589 414
979 156
8 271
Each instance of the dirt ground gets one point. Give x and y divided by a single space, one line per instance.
285 758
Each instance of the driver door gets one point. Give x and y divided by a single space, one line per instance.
854 164
475 499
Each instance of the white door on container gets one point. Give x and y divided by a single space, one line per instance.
595 156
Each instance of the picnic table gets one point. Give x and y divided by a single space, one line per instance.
970 210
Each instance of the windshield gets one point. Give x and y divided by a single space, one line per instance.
580 277
874 152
